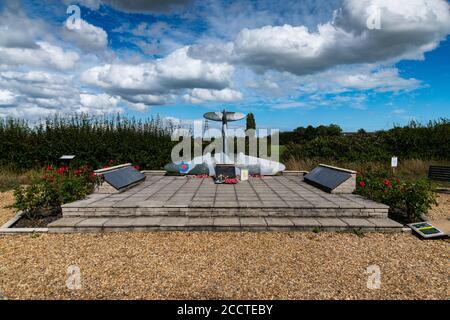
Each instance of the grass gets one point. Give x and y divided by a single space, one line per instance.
10 179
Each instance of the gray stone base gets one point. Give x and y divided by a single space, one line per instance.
139 224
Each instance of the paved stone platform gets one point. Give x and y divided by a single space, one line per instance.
280 203
192 197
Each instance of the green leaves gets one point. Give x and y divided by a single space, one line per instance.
53 189
413 141
94 140
413 198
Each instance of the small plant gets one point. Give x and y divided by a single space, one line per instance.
54 188
358 231
316 229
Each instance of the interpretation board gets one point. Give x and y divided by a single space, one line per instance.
426 230
326 179
123 177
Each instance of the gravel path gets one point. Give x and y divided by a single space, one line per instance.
442 211
206 265
6 199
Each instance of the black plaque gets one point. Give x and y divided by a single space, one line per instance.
123 177
326 179
226 170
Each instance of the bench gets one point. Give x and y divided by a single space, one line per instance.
439 173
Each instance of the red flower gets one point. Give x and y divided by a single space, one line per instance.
93 174
387 183
137 168
105 166
61 170
77 172
111 161
230 181
362 184
50 167
397 180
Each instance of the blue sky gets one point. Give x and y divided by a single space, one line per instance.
291 63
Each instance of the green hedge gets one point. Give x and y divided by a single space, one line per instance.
414 141
93 140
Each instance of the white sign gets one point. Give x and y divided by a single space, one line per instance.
244 174
394 162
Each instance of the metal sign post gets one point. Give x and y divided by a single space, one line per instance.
394 164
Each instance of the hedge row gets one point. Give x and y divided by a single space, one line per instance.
147 143
94 141
413 141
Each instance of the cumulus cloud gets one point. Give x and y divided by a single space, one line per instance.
357 78
149 82
98 103
87 37
16 30
6 97
203 95
45 55
409 28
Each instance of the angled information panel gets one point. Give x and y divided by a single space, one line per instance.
124 177
326 179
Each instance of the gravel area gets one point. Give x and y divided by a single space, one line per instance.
442 211
182 265
6 199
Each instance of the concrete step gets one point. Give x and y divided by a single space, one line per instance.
211 212
164 223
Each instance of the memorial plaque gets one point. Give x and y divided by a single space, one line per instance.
326 179
426 230
227 171
124 177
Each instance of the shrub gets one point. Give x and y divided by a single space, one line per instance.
412 198
56 187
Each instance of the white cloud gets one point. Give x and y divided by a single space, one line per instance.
100 101
345 40
17 31
150 82
7 97
87 37
46 55
202 95
357 78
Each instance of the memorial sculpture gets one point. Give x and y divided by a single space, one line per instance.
219 163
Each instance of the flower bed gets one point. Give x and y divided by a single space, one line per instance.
44 197
408 200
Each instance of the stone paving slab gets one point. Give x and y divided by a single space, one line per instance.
358 223
220 224
92 222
